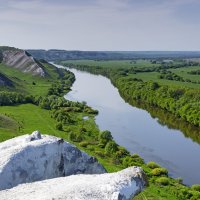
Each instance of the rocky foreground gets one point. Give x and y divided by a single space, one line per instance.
32 159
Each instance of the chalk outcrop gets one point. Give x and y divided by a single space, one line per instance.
121 185
42 167
23 61
37 157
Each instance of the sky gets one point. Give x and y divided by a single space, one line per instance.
121 25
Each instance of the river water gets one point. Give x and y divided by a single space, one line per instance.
136 130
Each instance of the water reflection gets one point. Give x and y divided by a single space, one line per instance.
165 118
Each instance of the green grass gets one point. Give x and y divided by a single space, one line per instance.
24 81
183 72
145 76
154 76
114 63
153 192
27 118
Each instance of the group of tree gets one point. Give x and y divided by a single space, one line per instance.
194 72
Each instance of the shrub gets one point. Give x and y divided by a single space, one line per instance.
72 136
59 126
75 137
111 147
104 138
90 148
196 187
100 154
159 172
79 138
162 181
105 135
179 180
152 165
84 144
137 159
195 195
102 145
133 160
122 152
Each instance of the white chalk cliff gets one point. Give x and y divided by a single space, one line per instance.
23 61
121 185
26 162
36 157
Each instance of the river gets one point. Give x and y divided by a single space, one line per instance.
136 130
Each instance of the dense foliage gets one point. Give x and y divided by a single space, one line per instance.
12 98
172 76
195 72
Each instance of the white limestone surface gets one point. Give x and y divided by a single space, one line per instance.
36 157
121 185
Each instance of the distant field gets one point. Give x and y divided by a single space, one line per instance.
154 76
114 63
184 72
146 76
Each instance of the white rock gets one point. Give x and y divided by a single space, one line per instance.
115 186
37 157
23 61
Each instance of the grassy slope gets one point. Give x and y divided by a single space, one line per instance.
22 119
24 81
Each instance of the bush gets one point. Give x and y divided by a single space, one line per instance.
179 180
159 172
122 152
104 138
133 160
152 165
111 147
100 154
72 136
162 181
59 126
75 137
196 187
84 144
137 159
79 138
105 135
90 148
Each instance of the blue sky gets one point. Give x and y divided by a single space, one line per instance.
101 24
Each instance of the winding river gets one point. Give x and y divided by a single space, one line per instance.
136 130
